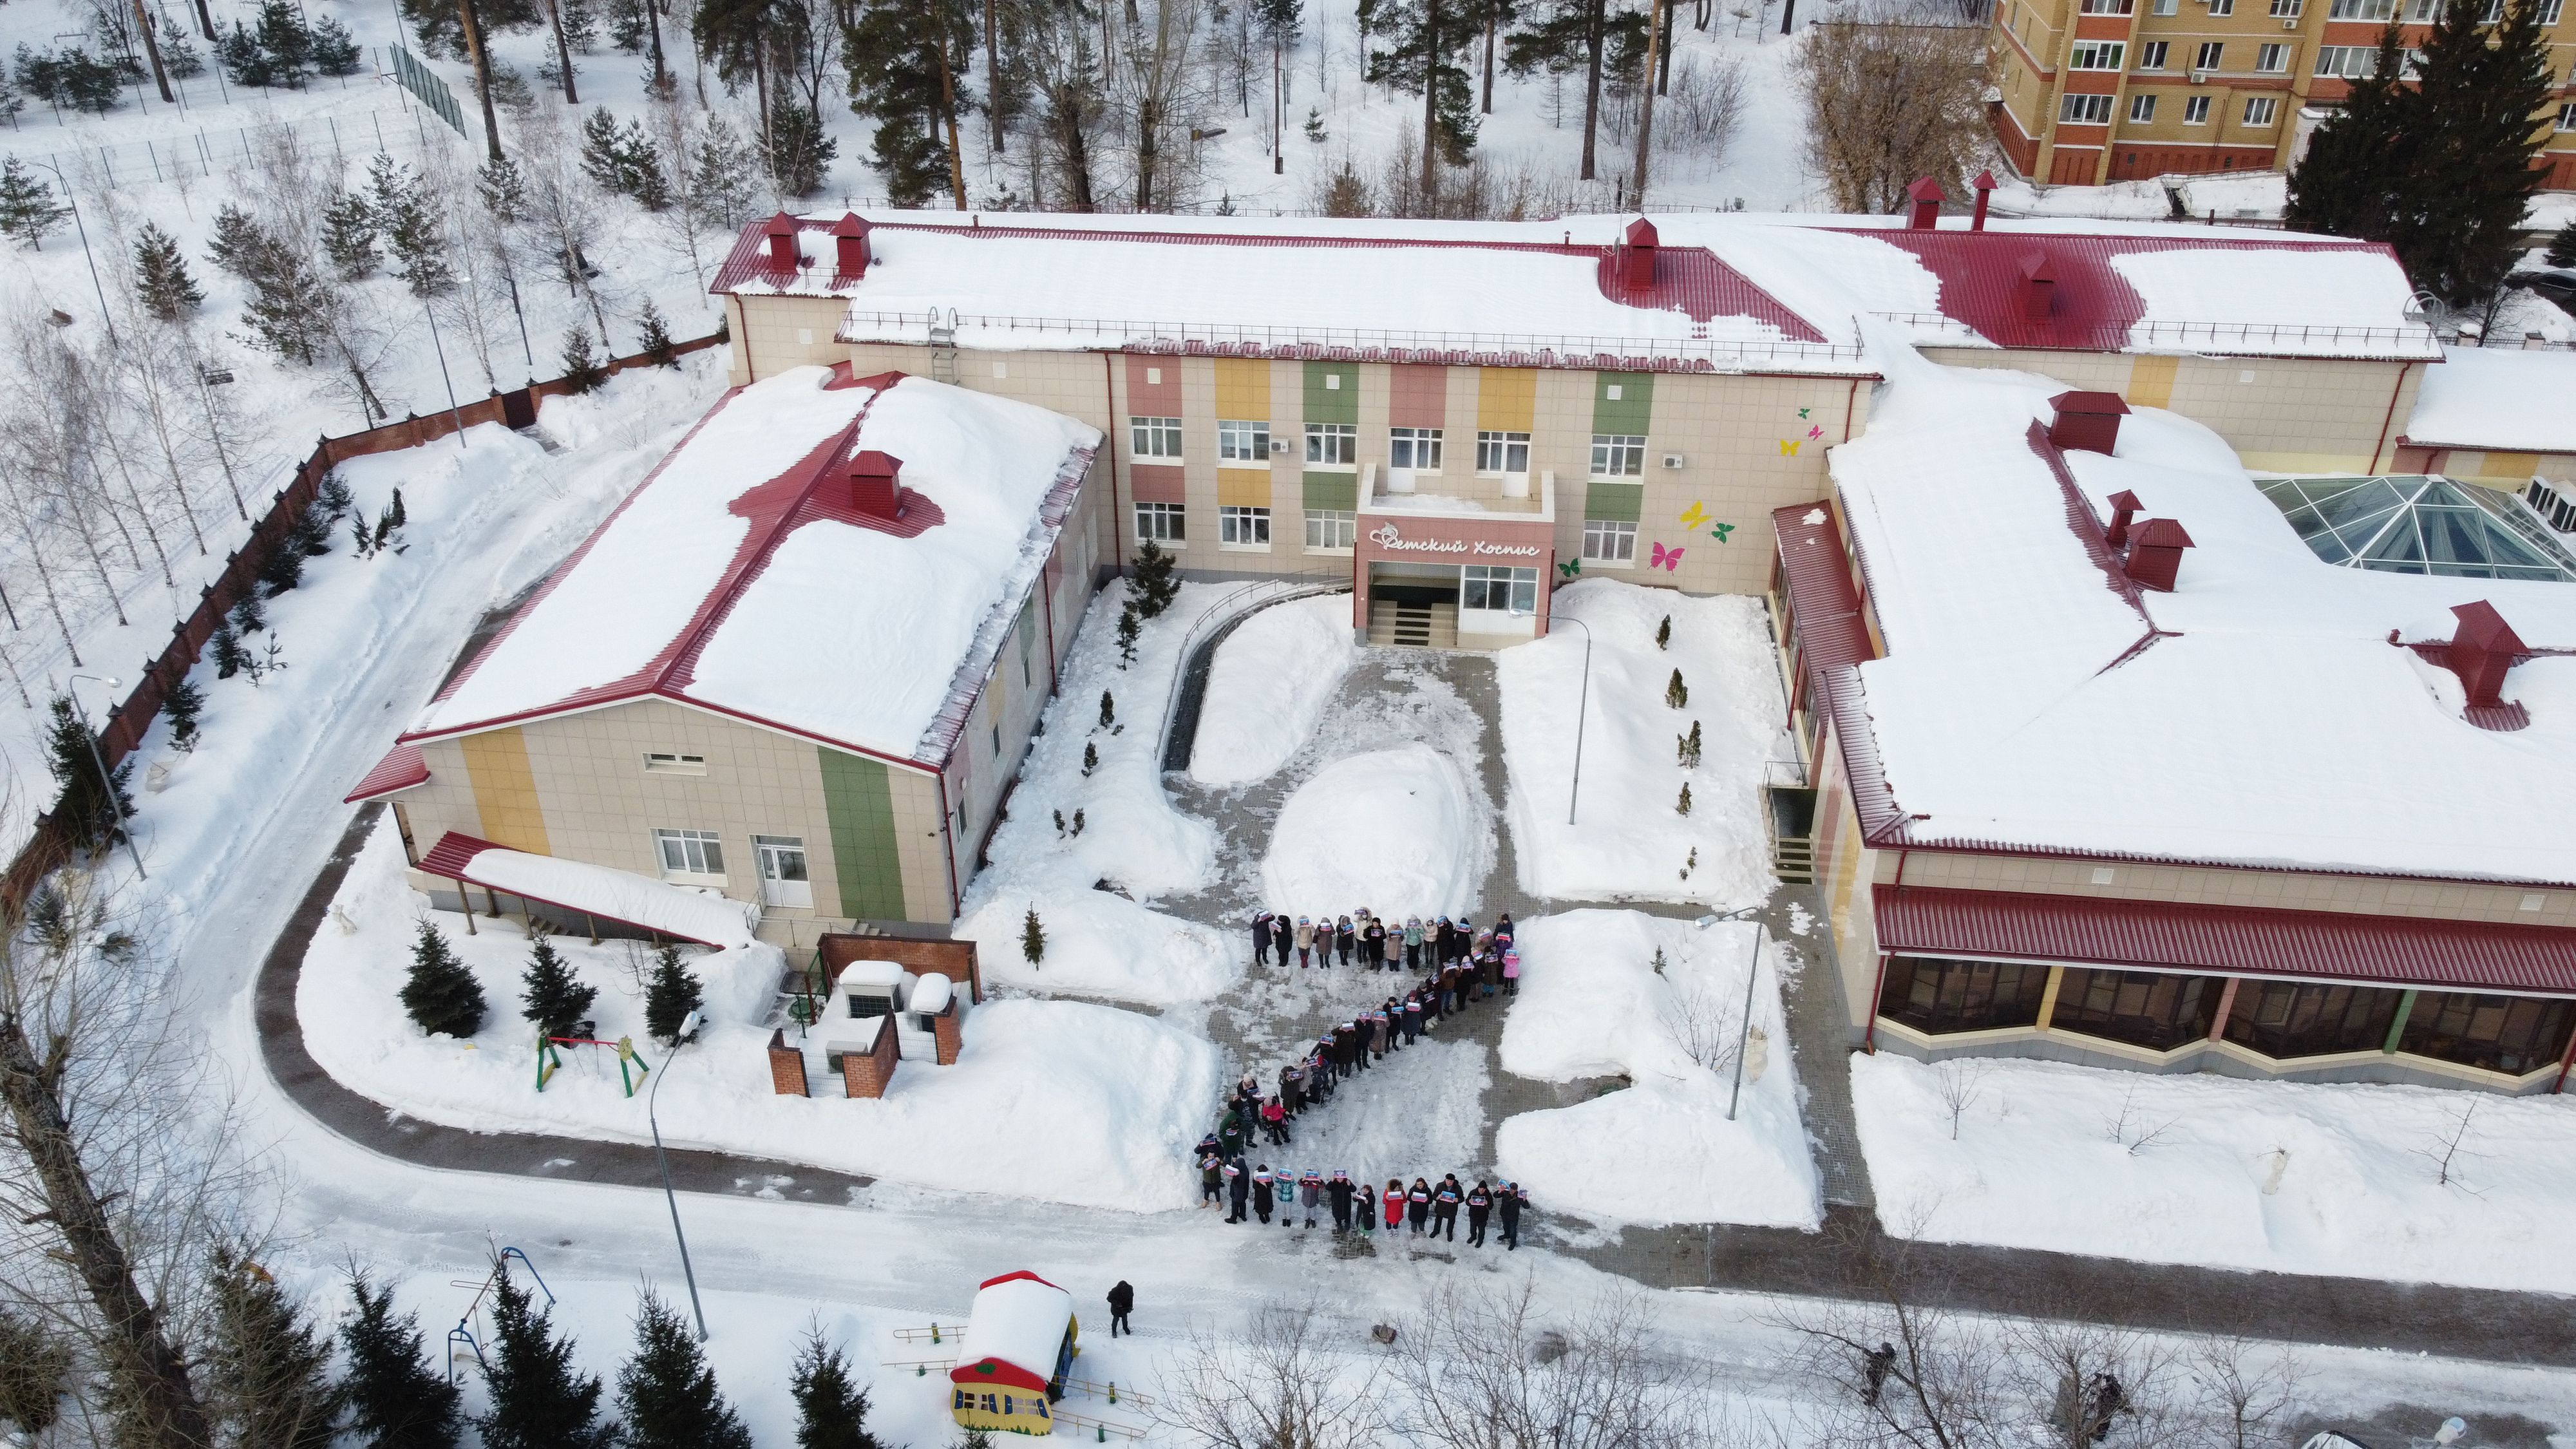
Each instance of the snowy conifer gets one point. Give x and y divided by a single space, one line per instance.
1108 710
601 159
161 276
1128 629
396 1400
640 170
82 806
249 615
237 243
503 190
800 151
1033 936
183 704
1152 586
669 997
668 1393
831 1410
2562 247
225 647
1677 694
282 567
555 1001
33 1364
267 1368
538 1401
1682 807
27 209
581 369
349 235
1664 633
1688 747
1090 757
656 335
724 167
440 994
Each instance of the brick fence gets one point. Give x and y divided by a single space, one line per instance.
47 848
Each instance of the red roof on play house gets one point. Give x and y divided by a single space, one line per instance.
1014 1333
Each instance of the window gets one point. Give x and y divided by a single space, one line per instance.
1333 528
1333 445
2143 1008
2413 524
1155 437
1937 995
2195 111
1160 522
690 853
658 763
1242 442
1502 452
2098 54
2288 9
2361 9
2284 1019
1416 449
2514 1034
2259 110
2142 110
2550 11
2109 7
2085 110
2151 55
1243 527
2210 54
2351 62
2271 59
783 881
1618 455
1495 587
2222 7
2567 116
1606 541
2166 7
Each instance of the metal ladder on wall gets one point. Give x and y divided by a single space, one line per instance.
943 348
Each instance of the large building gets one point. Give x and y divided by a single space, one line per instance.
2090 91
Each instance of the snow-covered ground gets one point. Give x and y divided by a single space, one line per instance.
1595 1003
2293 1177
1402 832
1629 839
1268 687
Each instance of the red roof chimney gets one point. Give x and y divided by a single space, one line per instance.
2124 506
2038 286
850 236
781 232
1927 204
2087 420
875 483
2482 649
1985 186
1637 254
2156 556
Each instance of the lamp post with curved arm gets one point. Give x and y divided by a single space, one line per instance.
106 781
688 1028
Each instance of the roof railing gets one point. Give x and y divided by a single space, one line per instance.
2409 338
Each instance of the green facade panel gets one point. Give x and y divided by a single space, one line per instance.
1614 502
858 800
1333 392
1628 414
1333 490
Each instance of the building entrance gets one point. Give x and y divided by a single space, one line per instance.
1415 604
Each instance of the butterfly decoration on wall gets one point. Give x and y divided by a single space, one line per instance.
1802 412
1693 516
1570 568
1667 559
1816 432
1720 531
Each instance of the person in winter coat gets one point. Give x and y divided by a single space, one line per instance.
1211 1180
1511 972
1417 1205
1503 929
1364 1208
1310 1193
1122 1301
1378 1033
1346 939
1338 1193
1230 1135
1480 1205
1373 944
1239 1183
1280 932
1444 1207
1319 1073
1305 942
1274 1120
1411 1014
1413 943
1509 1199
1263 1193
1394 1202
1260 937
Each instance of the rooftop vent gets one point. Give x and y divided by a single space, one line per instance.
2036 286
875 484
1926 195
2087 420
2155 555
2482 649
2124 507
850 238
1985 188
1637 254
781 243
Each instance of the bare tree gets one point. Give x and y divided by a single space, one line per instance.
1279 1387
564 211
2446 1152
2246 1389
1161 87
1706 1028
1957 1083
1484 1368
2082 1385
1889 103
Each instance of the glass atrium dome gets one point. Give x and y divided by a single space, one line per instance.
2419 525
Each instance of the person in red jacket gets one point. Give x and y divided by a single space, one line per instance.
1394 1201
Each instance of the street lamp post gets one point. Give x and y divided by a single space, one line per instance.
688 1028
106 781
74 203
1752 970
453 413
1582 703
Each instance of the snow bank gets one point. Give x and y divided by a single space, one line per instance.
2286 1176
1399 831
1661 1150
1100 944
2498 398
1271 680
1058 1101
619 894
1629 841
2257 286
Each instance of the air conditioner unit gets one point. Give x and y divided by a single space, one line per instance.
1278 446
2554 509
2290 23
2200 77
1672 460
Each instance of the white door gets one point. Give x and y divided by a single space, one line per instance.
782 870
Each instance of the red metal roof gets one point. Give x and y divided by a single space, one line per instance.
456 850
2238 940
400 769
1823 601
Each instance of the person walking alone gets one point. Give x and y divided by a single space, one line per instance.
1122 1301
1480 1205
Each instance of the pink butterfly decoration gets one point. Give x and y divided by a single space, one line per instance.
1667 559
1815 432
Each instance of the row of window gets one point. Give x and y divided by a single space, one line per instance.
2270 58
2095 110
1003 1404
2284 1020
1604 540
1336 446
2417 12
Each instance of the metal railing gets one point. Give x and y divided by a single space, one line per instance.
1189 685
2412 338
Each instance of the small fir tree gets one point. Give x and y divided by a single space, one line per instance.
267 1368
581 369
1682 806
668 1393
1032 936
1151 588
33 1364
1077 822
669 997
725 169
1315 126
225 647
1664 633
183 704
161 276
237 244
601 160
1108 710
1090 757
249 615
800 152
1690 747
1677 694
555 1001
2562 247
1128 629
831 1409
349 236
312 531
538 1400
640 168
27 209
440 995
656 343
91 810
503 190
281 568
396 1400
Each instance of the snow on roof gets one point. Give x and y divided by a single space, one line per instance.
1018 1320
2257 715
612 894
2498 398
870 973
932 993
706 585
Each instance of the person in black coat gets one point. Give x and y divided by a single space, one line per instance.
1480 1205
1239 1179
1283 934
1260 937
1509 1199
1339 1190
1122 1301
1444 1208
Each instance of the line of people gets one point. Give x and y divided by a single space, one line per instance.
1430 1209
1378 944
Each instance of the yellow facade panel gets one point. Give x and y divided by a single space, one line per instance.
1506 399
1243 388
505 790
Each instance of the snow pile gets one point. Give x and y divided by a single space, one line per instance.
1271 680
1660 1150
619 895
1059 1101
2497 398
2287 1176
1100 943
1629 841
2257 286
1399 831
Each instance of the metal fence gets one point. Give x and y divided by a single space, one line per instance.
416 78
194 151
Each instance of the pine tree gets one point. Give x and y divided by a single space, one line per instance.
82 805
555 1001
1580 36
441 995
1032 936
225 646
34 1361
1128 628
349 235
538 1401
287 300
1664 633
669 997
601 160
1690 747
656 335
1676 693
1683 806
1428 38
502 190
396 1400
724 168
1108 710
905 60
581 370
249 615
161 276
831 1409
2562 247
27 209
639 163
237 244
1152 587
411 228
668 1393
1090 758
267 1368
183 703
800 151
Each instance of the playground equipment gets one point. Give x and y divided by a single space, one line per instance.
463 1332
631 1066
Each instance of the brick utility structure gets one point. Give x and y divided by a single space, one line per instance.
2090 91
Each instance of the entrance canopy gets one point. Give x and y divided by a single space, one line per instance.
594 890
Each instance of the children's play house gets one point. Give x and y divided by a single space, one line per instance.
1019 1346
